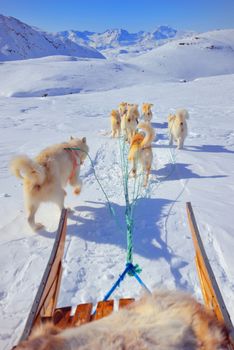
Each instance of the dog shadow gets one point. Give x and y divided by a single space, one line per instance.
180 171
96 225
47 234
160 125
209 149
160 137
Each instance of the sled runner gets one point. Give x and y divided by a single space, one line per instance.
44 307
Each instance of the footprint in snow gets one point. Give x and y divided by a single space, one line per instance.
4 195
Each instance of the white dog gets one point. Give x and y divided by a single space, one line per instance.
147 112
123 107
129 122
177 127
45 177
163 321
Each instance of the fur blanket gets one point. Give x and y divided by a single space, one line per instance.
165 321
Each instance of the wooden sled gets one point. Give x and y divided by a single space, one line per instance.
210 290
44 306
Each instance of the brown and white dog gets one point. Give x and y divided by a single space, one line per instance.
146 111
129 122
141 150
45 177
123 107
135 111
177 127
115 123
164 321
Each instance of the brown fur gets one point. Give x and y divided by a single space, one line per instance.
163 321
177 127
45 177
115 123
146 111
141 150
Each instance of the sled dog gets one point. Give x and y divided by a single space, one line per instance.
141 150
146 111
115 123
129 122
163 321
46 176
177 127
123 107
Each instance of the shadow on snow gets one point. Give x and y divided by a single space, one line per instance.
99 227
180 171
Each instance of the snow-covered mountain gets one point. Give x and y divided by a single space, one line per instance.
206 54
113 38
209 54
20 41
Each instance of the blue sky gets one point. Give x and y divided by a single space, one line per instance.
133 15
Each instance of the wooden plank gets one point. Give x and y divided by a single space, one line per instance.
82 314
61 317
104 308
210 288
51 275
125 302
49 307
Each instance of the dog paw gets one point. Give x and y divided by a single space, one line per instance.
70 210
38 227
77 190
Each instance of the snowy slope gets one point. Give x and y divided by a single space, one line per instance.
63 75
199 55
95 251
20 41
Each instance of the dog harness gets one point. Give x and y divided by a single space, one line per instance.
75 162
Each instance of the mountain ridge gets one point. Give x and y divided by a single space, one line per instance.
19 41
112 38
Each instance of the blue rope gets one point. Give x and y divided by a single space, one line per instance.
131 270
116 284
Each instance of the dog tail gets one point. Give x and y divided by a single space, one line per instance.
24 167
149 134
183 112
170 117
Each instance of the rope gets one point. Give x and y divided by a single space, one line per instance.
112 211
130 204
130 269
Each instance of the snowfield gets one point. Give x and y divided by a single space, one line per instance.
45 101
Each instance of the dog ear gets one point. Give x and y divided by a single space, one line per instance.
71 138
84 139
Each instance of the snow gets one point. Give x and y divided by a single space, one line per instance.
80 96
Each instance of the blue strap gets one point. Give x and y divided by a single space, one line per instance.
132 271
